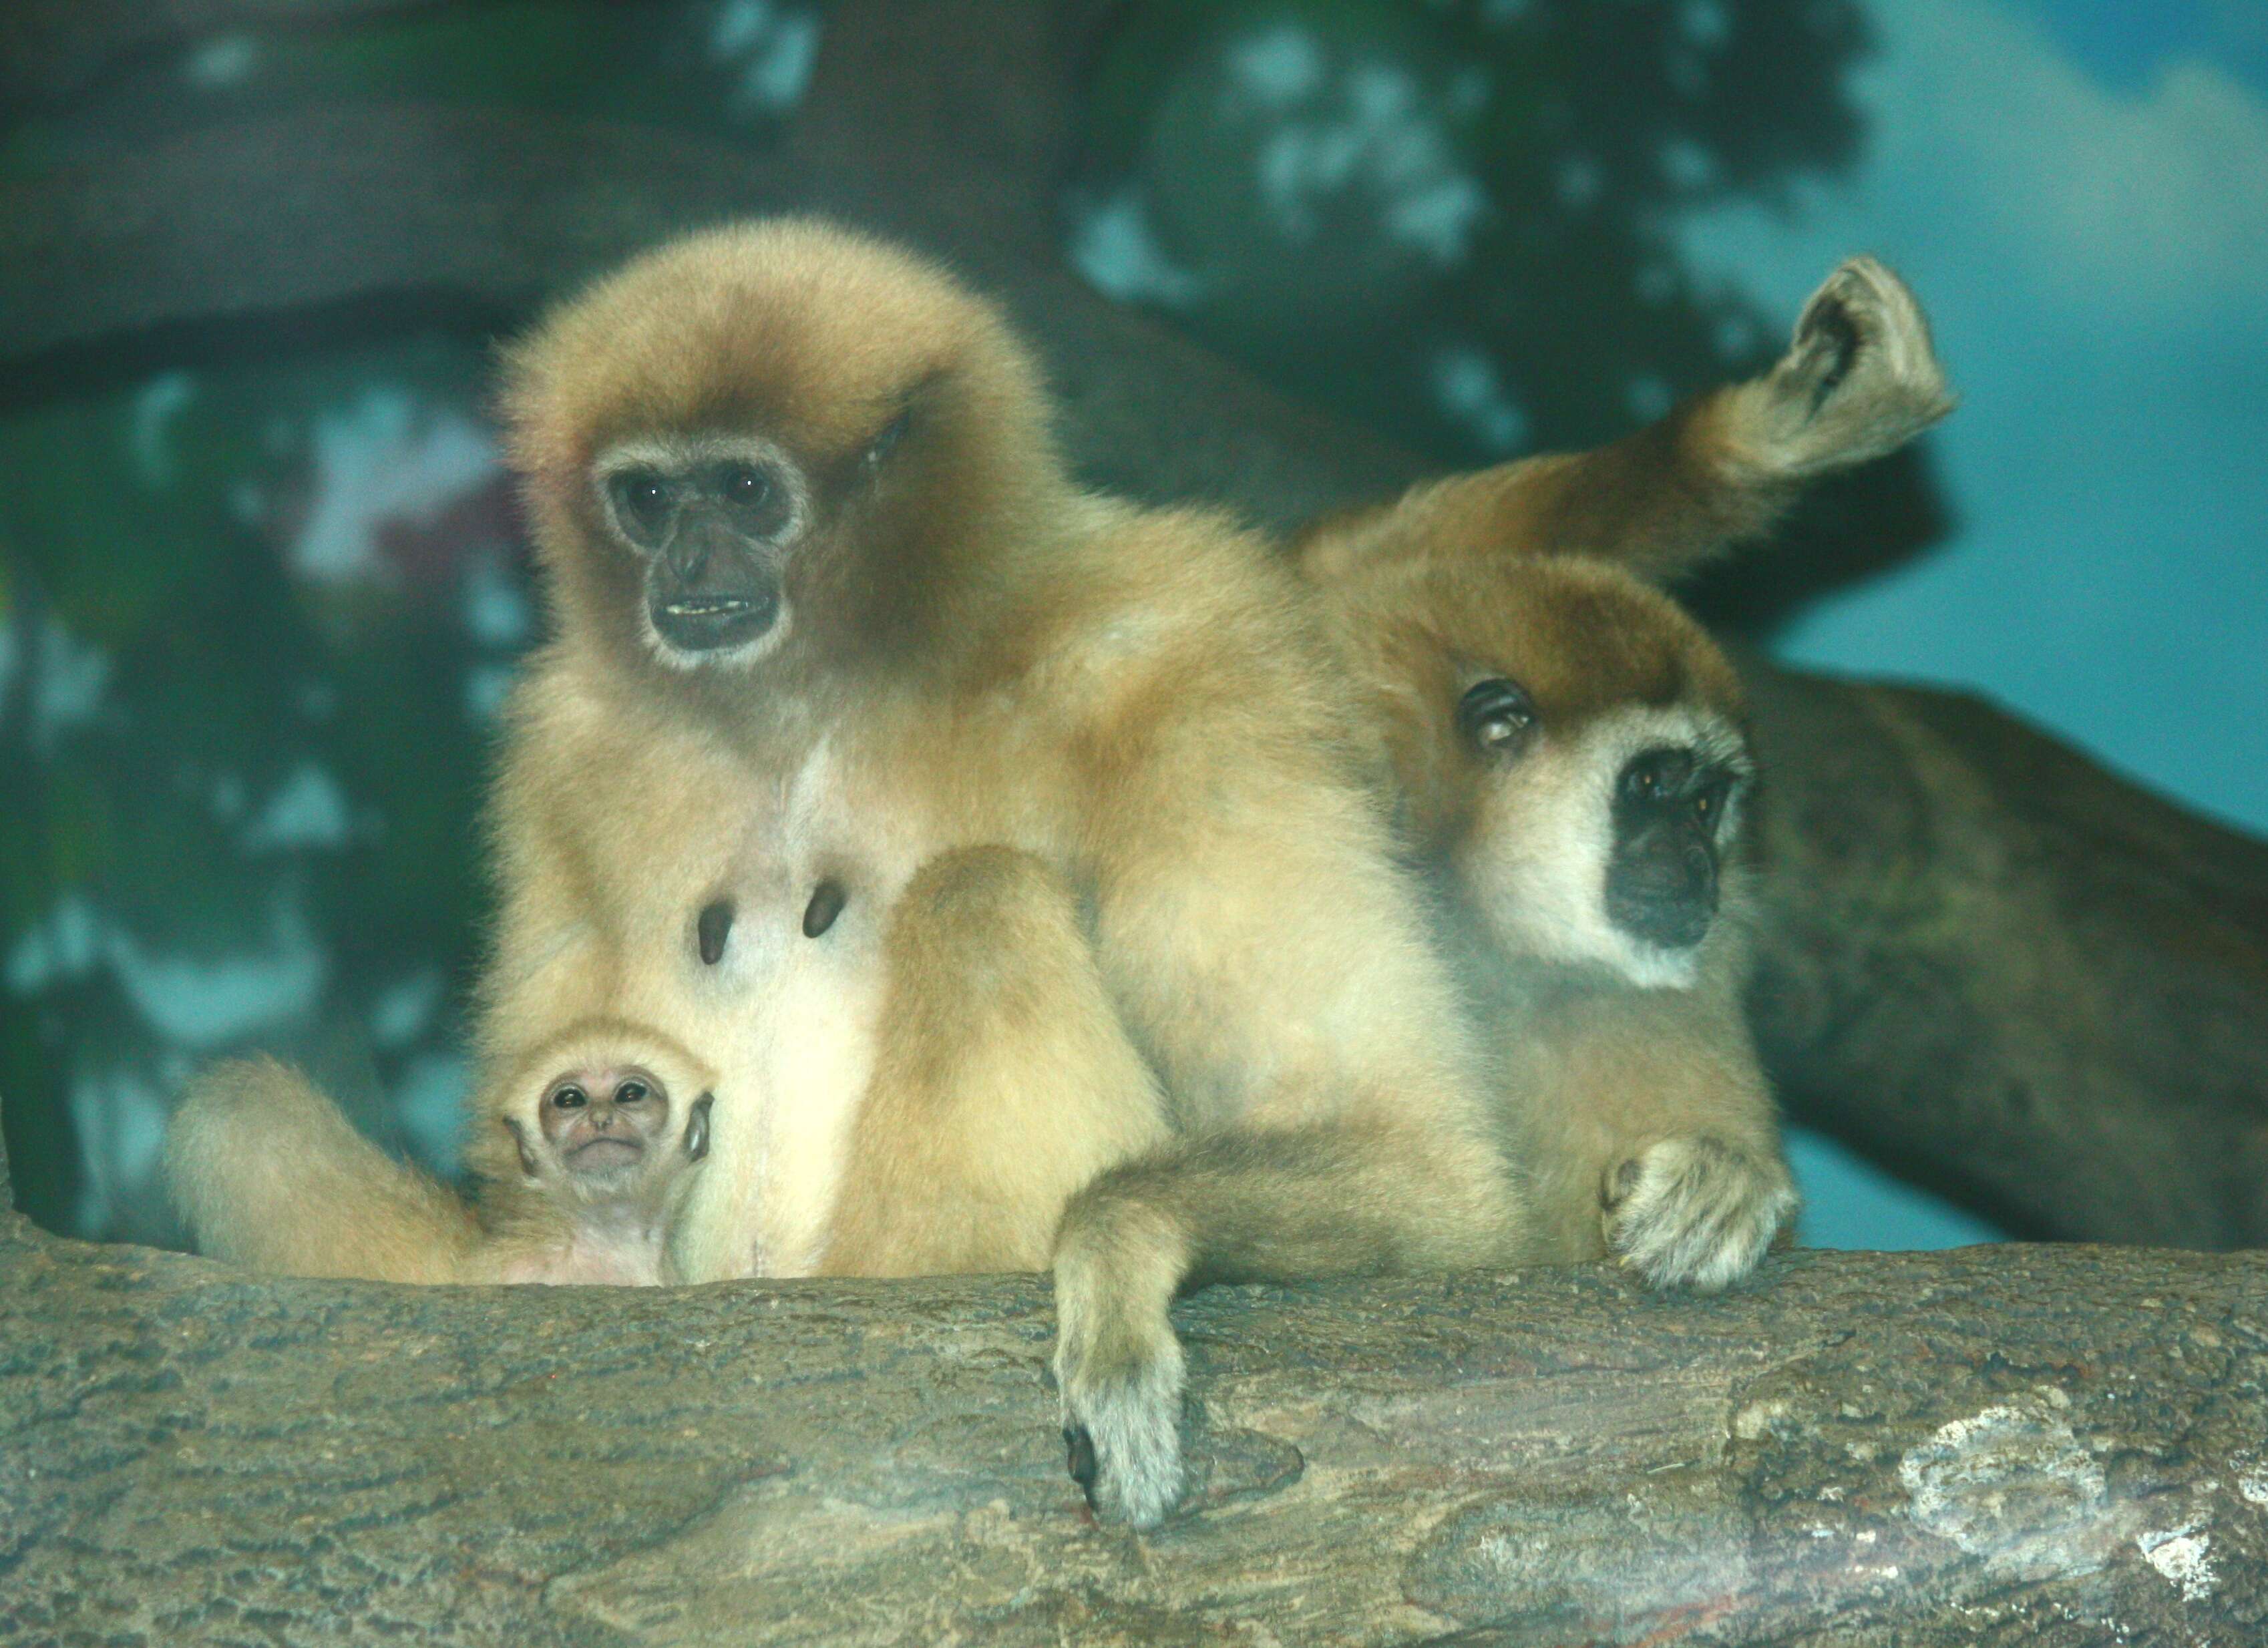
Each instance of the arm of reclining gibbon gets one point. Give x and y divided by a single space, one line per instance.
1002 1082
269 1175
1860 379
1649 1131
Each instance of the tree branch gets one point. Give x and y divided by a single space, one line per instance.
2006 971
1986 1446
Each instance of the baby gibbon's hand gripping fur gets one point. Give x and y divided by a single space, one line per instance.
1570 749
591 1145
825 606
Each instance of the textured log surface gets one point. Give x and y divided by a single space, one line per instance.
2033 1445
1989 962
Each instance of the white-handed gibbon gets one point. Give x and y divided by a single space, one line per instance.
826 607
1570 752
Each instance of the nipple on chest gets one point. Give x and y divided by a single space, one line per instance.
712 929
827 901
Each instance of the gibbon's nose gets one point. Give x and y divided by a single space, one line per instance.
1659 777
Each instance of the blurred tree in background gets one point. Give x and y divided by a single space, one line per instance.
259 604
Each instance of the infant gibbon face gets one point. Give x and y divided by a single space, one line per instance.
613 1118
1589 768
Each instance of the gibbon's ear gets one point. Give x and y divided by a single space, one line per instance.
696 1128
527 1164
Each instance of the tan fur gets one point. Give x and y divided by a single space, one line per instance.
268 1174
1646 1122
1004 1081
967 653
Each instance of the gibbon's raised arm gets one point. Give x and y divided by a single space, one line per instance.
1859 380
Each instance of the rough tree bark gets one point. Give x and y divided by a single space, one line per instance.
1990 962
1985 956
2016 1446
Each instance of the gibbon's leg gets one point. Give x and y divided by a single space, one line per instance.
1004 1081
1859 380
268 1174
1327 1079
1354 1198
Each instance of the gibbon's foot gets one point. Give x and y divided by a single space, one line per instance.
1695 1212
1123 1431
1862 378
1120 1370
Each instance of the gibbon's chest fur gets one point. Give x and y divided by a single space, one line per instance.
803 835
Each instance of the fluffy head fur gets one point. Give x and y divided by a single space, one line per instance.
828 347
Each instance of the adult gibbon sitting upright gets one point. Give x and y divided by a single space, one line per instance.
825 605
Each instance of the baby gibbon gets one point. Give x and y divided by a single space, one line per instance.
596 1136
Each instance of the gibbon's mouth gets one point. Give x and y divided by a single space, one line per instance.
708 622
1663 894
609 1149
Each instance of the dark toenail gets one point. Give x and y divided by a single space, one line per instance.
1080 1446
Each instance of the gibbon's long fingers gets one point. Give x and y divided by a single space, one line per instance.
268 1174
1328 1200
1861 379
1697 1212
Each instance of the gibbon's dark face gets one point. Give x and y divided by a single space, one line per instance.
713 523
772 443
1670 804
1572 741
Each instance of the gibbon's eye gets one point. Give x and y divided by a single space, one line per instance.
885 443
570 1099
630 1093
642 499
1497 716
745 488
